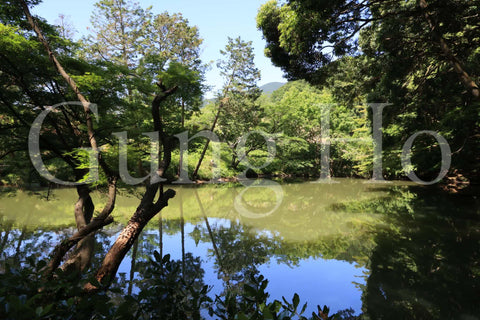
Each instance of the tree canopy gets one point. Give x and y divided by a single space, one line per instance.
420 55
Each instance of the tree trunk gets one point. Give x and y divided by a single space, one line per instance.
83 254
147 208
195 172
19 243
132 267
212 238
103 219
145 212
160 234
64 74
182 228
183 114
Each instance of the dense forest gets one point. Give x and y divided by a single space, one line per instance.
422 64
377 89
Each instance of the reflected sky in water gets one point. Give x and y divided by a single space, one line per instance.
318 281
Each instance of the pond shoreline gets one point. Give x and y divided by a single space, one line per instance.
453 184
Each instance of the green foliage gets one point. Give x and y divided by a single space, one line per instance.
165 292
209 164
253 304
172 39
119 29
417 55
418 79
25 294
116 69
296 111
152 48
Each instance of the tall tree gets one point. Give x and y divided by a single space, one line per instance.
150 48
173 46
170 38
240 112
118 28
237 110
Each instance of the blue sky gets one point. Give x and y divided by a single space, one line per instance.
216 19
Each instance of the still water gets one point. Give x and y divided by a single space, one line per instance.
389 251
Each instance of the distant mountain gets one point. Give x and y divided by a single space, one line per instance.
266 88
207 101
271 86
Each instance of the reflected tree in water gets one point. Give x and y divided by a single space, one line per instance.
427 266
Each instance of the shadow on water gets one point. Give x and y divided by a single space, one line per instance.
426 264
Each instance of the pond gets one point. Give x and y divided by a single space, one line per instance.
388 251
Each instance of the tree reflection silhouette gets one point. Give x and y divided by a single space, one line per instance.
426 265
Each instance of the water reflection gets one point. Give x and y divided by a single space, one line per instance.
426 265
388 251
